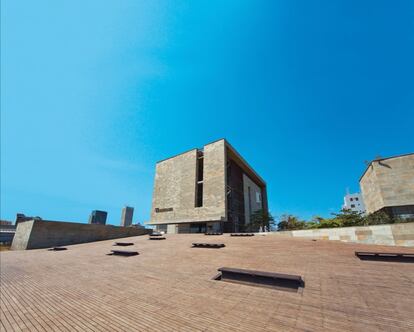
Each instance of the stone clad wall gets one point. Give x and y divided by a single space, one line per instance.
36 234
214 202
388 182
175 187
392 235
371 191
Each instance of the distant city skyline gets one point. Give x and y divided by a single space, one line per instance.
93 96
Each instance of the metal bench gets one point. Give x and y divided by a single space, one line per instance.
213 233
208 245
123 244
124 253
242 234
57 249
156 237
260 278
385 256
156 234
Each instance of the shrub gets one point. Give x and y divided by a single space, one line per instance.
378 218
345 218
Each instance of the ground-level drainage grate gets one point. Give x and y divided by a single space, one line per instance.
385 256
57 249
157 238
124 253
242 234
123 244
286 282
208 245
213 233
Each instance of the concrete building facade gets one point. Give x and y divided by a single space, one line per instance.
209 189
388 185
354 202
35 234
126 216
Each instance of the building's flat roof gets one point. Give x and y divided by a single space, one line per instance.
238 158
381 159
169 287
186 151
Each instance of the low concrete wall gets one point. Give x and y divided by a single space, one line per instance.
392 235
36 234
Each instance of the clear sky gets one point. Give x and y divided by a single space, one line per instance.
93 93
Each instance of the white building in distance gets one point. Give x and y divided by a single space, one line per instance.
354 202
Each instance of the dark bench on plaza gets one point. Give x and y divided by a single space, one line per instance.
260 278
124 253
123 244
156 234
157 237
385 256
57 249
208 245
242 234
213 233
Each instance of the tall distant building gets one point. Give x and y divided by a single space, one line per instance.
388 185
98 217
126 216
209 189
354 202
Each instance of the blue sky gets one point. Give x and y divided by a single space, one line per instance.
93 93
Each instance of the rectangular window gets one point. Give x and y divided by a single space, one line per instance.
356 198
250 200
351 199
199 202
200 168
200 178
352 205
258 198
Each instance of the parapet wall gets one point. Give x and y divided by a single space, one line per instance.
35 234
391 235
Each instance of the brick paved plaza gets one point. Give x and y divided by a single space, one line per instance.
169 287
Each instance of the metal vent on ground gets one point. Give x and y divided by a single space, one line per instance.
126 253
242 234
157 238
286 282
385 256
123 244
209 245
57 249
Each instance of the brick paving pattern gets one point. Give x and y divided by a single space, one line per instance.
169 287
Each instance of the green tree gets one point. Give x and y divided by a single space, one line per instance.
347 218
261 218
290 222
